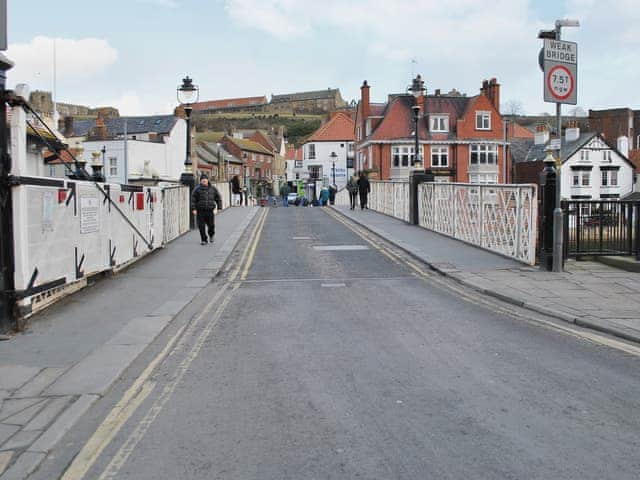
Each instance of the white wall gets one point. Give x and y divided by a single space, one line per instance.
596 160
323 152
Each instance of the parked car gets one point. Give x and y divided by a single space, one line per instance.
291 198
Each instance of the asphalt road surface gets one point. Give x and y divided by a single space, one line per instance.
318 356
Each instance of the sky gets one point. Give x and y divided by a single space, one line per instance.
132 54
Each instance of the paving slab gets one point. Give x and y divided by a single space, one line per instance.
21 440
6 431
5 458
140 330
12 407
14 376
47 414
64 422
96 372
37 384
24 466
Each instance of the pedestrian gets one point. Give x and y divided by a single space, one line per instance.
235 189
364 187
352 188
332 194
324 196
284 194
204 199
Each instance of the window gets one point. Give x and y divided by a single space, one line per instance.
52 170
576 180
586 179
440 156
613 178
439 123
605 178
483 120
606 155
358 136
113 166
315 172
311 151
350 147
484 154
484 178
342 145
402 156
367 127
584 154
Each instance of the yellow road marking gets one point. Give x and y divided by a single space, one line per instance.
254 247
141 388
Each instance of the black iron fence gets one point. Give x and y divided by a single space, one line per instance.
601 227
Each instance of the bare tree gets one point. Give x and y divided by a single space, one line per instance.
512 107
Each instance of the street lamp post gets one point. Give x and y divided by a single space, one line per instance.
333 165
187 96
417 90
558 223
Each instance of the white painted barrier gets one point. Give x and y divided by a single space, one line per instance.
390 198
67 230
500 218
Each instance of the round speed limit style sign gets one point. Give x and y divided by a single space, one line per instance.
560 82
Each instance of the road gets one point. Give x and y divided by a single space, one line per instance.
320 355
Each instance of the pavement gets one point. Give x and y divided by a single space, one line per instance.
589 294
330 359
73 352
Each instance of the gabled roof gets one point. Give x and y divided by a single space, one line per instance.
230 103
339 128
398 121
162 124
209 152
249 145
525 150
294 153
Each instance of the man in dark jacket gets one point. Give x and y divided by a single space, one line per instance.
204 199
235 188
364 187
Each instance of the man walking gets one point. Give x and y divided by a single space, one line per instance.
364 187
352 188
284 194
204 199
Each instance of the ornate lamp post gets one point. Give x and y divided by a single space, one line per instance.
187 96
417 90
333 165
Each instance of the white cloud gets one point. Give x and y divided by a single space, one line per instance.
76 59
129 103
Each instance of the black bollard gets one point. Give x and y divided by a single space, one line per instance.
548 178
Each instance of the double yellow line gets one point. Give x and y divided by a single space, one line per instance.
143 385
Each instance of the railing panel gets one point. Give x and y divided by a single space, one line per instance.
390 198
499 218
600 227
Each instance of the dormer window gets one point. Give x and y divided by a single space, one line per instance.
439 123
483 120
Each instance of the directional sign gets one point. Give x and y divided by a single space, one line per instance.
560 71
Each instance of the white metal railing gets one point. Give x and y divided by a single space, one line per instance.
500 218
175 211
390 198
342 198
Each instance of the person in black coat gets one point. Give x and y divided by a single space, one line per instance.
204 199
235 187
364 187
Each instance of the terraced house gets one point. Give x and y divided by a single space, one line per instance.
461 138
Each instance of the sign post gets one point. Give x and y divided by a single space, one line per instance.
560 66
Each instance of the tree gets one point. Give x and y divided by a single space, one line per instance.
512 107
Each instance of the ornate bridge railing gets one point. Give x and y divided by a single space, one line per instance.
500 218
390 198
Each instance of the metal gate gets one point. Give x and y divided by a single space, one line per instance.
601 227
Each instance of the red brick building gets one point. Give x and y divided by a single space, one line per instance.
461 138
258 161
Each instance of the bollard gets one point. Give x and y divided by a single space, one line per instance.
548 178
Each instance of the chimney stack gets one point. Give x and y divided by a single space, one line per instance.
572 132
623 145
494 93
68 127
541 136
364 99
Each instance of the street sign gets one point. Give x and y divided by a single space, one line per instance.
560 71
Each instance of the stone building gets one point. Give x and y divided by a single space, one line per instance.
42 102
320 101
